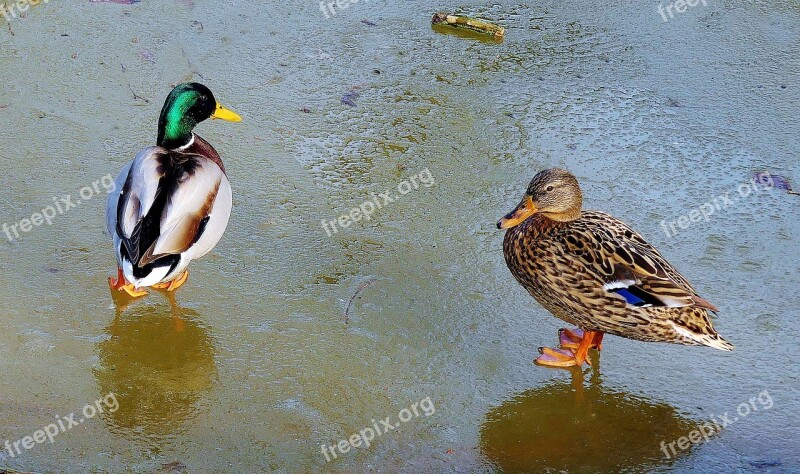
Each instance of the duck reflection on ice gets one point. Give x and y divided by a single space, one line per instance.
159 361
571 427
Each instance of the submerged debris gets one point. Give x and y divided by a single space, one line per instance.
350 97
460 21
137 96
175 466
774 180
147 56
360 288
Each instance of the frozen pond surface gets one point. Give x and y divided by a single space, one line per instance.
252 368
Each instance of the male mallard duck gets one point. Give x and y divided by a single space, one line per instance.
172 202
592 270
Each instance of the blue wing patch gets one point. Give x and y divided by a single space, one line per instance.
630 297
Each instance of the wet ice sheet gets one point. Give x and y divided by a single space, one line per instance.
254 369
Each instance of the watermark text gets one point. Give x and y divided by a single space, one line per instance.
378 201
680 6
379 428
717 424
62 425
762 182
60 206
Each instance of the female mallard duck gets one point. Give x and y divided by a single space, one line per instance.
173 201
593 271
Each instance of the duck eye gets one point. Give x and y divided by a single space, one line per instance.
549 188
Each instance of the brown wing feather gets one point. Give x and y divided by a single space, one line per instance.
633 258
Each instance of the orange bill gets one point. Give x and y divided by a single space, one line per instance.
524 210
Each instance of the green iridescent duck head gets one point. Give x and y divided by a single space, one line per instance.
187 105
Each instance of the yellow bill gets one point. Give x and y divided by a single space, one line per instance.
225 114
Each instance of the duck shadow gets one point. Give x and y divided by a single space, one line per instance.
158 360
569 426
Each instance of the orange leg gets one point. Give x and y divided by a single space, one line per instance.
122 285
590 339
174 284
574 349
572 338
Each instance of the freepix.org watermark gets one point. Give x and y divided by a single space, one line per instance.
680 6
326 6
762 182
378 201
60 206
379 428
17 7
717 424
62 425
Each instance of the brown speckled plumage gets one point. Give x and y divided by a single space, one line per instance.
572 266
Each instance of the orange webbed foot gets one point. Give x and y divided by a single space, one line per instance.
561 358
121 285
174 284
573 350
